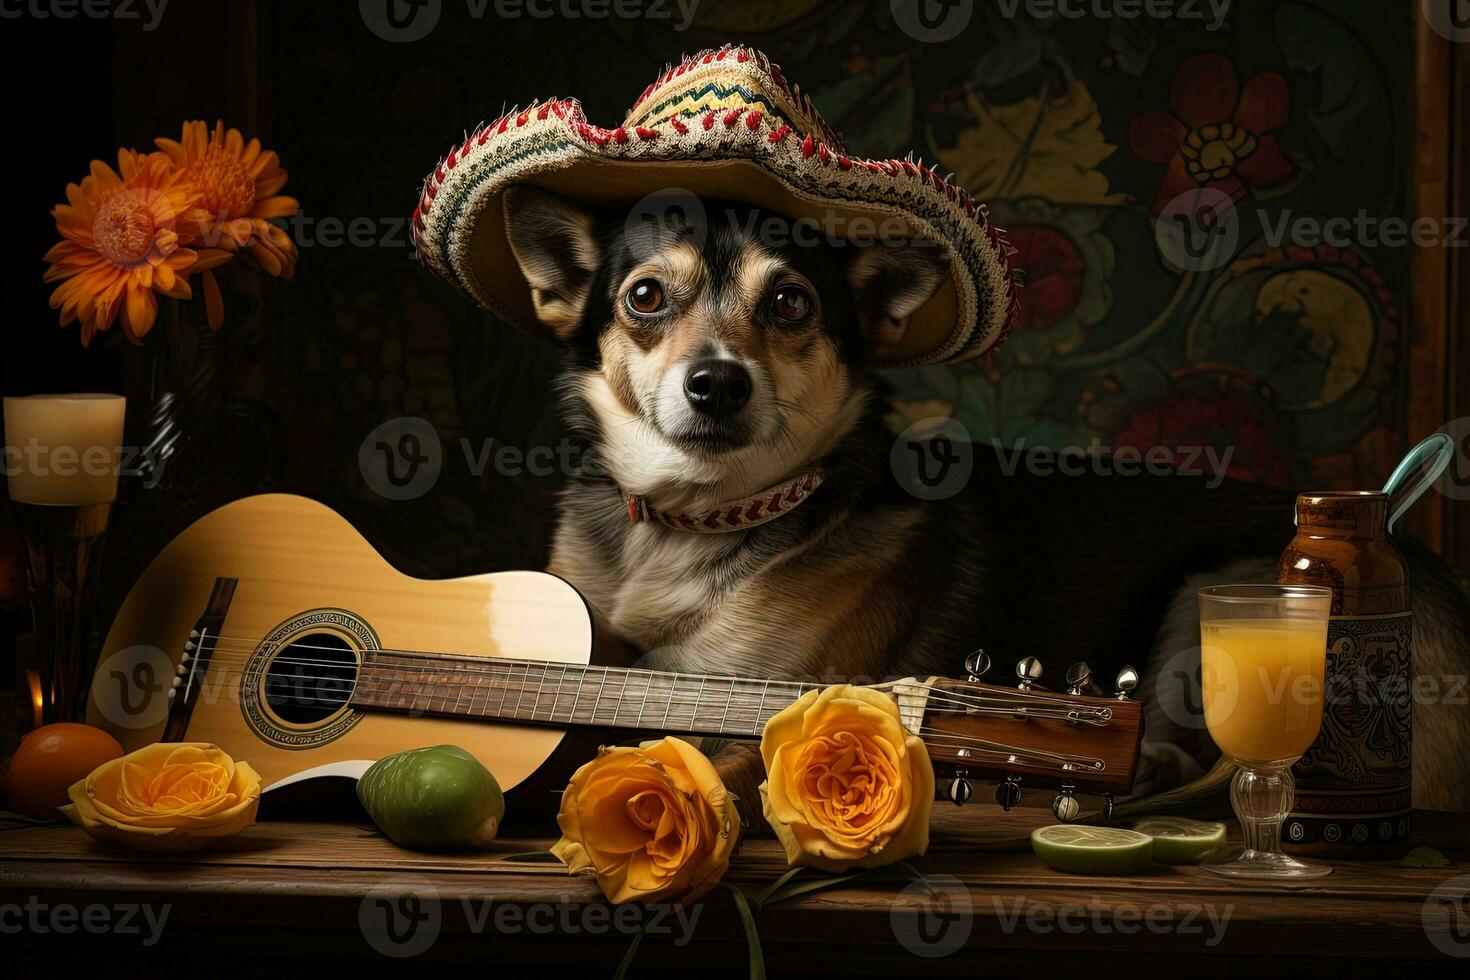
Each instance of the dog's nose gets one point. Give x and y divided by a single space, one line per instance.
717 387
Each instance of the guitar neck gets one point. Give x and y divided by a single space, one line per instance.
570 695
1087 742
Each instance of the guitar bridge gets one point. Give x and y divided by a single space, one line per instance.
194 665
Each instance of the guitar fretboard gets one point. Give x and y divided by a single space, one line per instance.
571 694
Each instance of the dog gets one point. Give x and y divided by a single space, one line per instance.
708 362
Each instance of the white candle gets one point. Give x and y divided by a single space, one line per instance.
63 449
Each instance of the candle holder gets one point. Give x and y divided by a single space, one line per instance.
61 468
63 549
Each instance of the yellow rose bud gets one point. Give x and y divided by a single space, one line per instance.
847 786
169 796
653 822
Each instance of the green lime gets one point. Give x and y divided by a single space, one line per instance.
1179 840
1092 850
434 798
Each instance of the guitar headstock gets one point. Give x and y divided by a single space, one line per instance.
1077 739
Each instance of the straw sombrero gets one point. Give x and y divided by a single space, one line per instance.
722 124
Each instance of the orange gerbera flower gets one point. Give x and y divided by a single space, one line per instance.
122 233
237 184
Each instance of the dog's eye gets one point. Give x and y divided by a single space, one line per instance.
792 304
646 297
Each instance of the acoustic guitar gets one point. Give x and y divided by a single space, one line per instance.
271 628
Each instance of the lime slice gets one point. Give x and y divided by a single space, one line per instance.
1092 850
1178 840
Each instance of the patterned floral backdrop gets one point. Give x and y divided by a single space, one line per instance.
1082 134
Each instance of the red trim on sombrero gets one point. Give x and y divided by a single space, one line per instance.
773 111
733 515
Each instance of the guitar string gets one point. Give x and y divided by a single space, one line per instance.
520 688
1083 713
730 709
252 645
1000 748
989 747
1018 701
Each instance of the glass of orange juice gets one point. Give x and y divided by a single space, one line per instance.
1263 651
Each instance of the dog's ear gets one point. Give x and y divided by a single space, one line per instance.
890 282
554 243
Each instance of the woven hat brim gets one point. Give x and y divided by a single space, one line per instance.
459 228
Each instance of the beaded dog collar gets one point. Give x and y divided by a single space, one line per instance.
734 515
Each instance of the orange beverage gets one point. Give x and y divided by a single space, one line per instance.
1263 651
1262 685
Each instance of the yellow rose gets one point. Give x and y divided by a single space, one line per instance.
847 786
169 796
654 822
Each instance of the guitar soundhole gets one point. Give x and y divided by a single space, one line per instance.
310 678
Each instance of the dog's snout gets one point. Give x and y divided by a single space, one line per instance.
718 387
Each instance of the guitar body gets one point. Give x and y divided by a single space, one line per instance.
283 578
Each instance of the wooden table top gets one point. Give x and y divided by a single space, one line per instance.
331 888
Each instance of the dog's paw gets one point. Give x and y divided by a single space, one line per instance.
740 767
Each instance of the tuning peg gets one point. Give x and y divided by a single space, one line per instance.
976 664
1008 793
1029 670
1079 677
1126 681
1065 807
1107 813
960 789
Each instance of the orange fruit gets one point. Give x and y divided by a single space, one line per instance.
50 759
